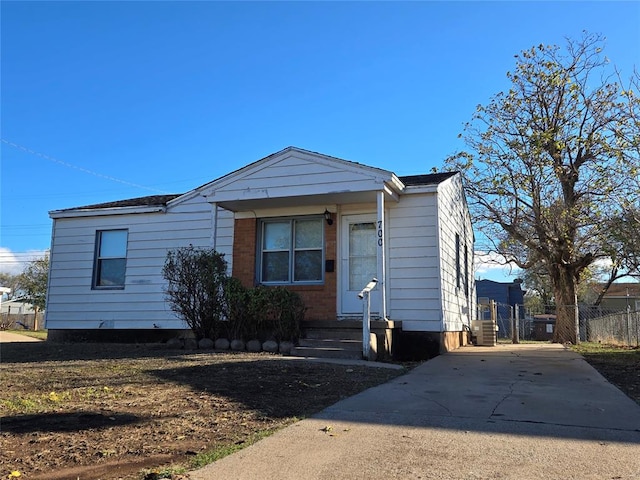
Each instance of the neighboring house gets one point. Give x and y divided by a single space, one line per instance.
319 225
17 306
619 296
507 295
17 313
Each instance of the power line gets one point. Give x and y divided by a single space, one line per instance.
81 169
26 225
6 251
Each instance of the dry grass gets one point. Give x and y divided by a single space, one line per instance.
619 364
112 411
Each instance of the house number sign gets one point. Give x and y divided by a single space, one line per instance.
380 233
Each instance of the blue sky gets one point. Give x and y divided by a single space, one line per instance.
113 100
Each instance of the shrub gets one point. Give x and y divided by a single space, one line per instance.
200 292
277 312
237 299
195 288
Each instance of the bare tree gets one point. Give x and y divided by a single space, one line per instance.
551 161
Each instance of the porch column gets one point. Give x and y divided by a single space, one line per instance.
381 256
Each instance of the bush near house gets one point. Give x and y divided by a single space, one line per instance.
277 312
214 304
195 288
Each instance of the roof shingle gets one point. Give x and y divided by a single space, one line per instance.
149 201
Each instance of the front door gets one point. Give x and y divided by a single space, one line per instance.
359 251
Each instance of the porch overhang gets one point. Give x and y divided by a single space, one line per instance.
259 199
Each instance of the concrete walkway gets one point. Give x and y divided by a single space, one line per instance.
506 412
10 337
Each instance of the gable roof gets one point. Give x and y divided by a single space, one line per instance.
159 202
292 152
299 177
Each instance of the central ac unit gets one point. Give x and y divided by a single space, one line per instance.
485 332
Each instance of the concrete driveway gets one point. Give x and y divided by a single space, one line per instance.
10 337
506 412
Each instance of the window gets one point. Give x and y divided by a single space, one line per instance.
110 259
291 251
363 254
466 270
458 269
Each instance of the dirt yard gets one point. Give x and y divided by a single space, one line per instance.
93 411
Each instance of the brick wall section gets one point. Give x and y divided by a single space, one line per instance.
244 251
320 300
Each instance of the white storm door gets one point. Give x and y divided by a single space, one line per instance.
359 252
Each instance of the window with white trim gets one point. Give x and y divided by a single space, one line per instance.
110 259
291 251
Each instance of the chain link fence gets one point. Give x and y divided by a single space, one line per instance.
595 323
616 327
505 315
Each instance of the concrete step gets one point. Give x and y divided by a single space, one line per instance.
327 334
337 338
326 352
344 344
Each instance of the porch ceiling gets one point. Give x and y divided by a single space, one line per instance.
336 198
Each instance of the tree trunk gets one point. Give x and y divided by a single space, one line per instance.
565 293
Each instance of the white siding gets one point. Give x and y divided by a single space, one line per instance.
224 240
412 263
73 304
294 175
457 305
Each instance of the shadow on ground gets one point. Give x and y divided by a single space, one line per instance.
65 422
24 353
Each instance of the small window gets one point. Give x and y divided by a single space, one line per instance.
291 251
458 266
111 259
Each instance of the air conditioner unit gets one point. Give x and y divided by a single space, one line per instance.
484 332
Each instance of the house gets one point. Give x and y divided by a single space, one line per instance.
17 306
506 295
620 296
321 226
19 313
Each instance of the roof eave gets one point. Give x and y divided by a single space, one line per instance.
99 212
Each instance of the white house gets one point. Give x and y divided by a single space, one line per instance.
319 225
17 306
